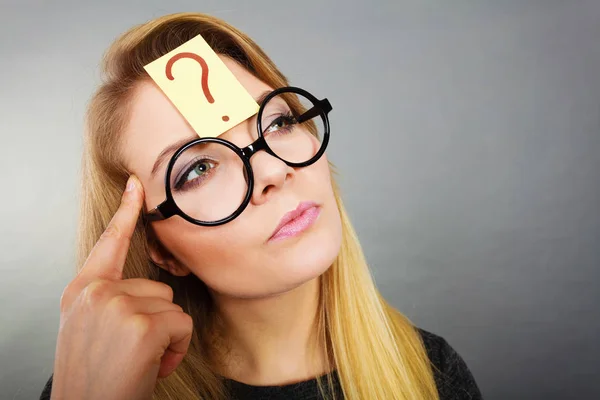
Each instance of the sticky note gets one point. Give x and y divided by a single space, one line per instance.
202 88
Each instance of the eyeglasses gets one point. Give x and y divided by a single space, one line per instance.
209 181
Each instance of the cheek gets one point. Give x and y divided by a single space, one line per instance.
224 257
320 170
324 177
201 249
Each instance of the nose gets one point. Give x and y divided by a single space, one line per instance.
270 174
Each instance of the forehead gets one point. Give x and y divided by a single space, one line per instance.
155 123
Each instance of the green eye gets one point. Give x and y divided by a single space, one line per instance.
196 173
199 169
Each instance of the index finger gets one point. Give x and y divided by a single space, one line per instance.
108 256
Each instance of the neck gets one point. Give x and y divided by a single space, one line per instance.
268 340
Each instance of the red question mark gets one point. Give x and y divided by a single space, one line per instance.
204 66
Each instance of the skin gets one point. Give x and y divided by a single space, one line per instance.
266 291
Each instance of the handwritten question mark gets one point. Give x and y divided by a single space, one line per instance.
204 78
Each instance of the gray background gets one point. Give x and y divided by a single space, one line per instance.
467 134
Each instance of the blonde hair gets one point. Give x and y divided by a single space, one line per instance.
377 351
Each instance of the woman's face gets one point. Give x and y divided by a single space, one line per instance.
235 259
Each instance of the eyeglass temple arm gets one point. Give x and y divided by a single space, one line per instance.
322 106
163 211
153 215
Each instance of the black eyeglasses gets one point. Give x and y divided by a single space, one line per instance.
209 181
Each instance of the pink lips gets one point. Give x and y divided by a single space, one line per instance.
296 221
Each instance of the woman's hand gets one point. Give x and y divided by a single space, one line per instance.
116 336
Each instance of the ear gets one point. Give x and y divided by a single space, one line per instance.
163 258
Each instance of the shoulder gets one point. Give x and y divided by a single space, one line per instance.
453 378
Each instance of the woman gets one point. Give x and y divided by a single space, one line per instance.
248 281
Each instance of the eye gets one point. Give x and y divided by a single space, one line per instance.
195 174
281 123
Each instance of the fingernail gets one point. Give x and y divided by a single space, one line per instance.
130 184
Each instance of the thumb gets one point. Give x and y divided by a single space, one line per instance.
169 363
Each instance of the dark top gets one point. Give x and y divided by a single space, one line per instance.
453 383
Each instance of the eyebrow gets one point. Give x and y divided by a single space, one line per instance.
172 148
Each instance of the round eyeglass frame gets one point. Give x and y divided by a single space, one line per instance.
169 208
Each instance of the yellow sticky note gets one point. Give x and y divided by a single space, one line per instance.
202 88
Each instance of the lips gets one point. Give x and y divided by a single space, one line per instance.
290 216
